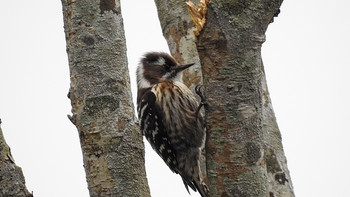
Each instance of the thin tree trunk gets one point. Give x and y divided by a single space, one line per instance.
12 183
244 150
100 94
178 29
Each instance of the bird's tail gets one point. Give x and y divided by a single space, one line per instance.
196 182
191 172
202 188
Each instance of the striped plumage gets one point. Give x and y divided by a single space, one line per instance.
169 117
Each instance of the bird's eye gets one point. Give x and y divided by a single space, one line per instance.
167 67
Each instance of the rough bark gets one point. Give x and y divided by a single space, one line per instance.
100 94
12 183
244 151
245 155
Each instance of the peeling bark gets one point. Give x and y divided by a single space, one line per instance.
100 94
244 151
12 183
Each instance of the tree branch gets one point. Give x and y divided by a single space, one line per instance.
12 183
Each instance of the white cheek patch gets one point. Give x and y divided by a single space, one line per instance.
173 75
141 81
178 77
160 61
167 75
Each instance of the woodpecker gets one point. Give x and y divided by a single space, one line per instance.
170 118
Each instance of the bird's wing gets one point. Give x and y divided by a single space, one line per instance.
152 127
178 107
169 121
183 126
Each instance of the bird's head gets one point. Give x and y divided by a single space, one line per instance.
159 67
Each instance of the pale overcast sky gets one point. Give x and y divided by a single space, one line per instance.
306 58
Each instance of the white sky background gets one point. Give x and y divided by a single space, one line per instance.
306 58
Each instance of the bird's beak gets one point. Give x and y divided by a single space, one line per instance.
182 67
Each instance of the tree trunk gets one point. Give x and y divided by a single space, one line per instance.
12 183
244 150
100 94
178 29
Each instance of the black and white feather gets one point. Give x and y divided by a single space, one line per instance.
167 110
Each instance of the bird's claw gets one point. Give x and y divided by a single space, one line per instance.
203 102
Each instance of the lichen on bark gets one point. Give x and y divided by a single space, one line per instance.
100 94
244 151
12 183
229 47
